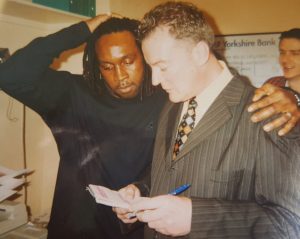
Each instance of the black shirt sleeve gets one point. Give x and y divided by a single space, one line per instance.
27 77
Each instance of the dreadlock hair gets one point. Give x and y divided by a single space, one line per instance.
91 72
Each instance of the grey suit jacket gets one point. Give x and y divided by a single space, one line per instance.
245 182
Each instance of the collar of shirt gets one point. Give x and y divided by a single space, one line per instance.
208 95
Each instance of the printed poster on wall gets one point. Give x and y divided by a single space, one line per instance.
252 55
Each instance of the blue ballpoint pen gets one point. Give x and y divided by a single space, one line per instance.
180 189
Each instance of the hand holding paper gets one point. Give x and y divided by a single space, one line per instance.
107 196
119 200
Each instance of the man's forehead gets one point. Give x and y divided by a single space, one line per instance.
119 51
116 45
160 46
159 31
155 48
290 44
123 39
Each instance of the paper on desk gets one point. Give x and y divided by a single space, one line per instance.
8 182
107 196
12 173
5 193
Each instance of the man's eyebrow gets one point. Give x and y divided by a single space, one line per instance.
157 62
292 50
130 55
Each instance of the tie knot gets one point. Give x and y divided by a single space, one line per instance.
192 103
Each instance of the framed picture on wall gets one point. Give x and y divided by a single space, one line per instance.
252 55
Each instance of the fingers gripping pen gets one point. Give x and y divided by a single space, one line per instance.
175 192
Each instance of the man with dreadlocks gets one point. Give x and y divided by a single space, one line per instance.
104 121
104 130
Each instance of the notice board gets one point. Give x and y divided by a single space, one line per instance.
252 55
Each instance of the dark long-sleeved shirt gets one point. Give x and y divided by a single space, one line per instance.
101 139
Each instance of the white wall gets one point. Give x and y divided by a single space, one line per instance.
14 35
19 24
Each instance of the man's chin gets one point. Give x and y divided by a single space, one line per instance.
177 98
129 95
291 77
174 99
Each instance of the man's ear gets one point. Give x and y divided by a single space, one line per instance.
201 53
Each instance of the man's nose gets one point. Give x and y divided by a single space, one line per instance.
121 74
286 58
156 78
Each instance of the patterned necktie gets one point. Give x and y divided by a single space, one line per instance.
185 127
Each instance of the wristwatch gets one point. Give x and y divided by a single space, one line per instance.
295 93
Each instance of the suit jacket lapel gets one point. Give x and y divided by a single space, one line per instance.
171 124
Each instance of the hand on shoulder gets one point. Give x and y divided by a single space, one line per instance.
270 100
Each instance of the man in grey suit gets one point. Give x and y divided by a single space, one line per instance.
244 181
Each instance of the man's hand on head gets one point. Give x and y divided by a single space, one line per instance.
270 100
94 22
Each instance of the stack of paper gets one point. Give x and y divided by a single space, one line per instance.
8 182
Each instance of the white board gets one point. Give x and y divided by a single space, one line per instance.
253 55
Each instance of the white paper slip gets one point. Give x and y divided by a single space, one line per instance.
8 182
107 196
12 173
11 183
5 193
